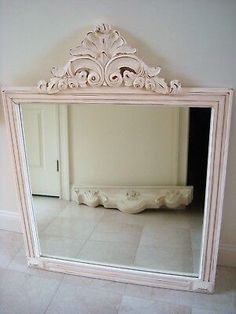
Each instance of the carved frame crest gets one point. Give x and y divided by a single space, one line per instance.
104 58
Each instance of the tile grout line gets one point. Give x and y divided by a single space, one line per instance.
50 221
21 247
119 307
54 294
90 235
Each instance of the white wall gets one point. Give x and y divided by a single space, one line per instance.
193 41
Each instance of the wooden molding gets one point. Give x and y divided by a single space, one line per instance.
219 100
134 199
105 59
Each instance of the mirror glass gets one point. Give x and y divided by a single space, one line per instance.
119 185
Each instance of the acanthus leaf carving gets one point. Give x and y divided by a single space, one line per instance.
105 58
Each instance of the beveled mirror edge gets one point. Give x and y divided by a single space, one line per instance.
218 99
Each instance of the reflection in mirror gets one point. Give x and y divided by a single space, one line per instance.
119 185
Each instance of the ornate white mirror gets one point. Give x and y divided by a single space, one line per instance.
120 175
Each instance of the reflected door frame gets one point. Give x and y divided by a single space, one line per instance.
64 152
61 134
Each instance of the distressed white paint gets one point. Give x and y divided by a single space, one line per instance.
104 58
220 102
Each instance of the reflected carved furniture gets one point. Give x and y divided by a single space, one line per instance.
134 200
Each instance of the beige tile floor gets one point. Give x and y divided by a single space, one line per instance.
158 240
26 290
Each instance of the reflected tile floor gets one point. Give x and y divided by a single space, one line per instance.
26 290
165 240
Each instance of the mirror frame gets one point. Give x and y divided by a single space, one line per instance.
219 100
104 69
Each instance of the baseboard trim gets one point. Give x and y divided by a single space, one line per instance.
10 221
227 255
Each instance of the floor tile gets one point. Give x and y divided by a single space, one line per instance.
205 311
183 221
234 303
117 232
196 260
82 212
180 218
164 259
171 237
196 220
196 237
70 228
26 290
22 293
11 279
175 296
222 300
46 204
71 299
114 215
108 252
216 302
19 263
60 246
59 221
85 224
100 284
46 209
43 220
10 243
158 218
138 291
132 305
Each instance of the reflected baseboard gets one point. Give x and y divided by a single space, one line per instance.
10 221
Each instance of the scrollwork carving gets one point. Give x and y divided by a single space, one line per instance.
136 200
105 58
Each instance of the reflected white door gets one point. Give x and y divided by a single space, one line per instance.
41 128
